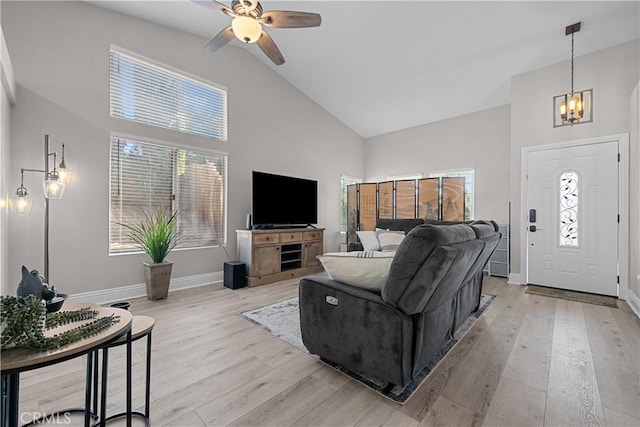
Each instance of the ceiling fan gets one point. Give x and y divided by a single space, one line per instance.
248 19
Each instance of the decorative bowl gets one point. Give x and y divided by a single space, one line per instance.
56 302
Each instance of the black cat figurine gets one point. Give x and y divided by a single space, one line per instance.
32 283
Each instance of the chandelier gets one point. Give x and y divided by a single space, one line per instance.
573 107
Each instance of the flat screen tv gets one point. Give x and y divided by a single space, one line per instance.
283 200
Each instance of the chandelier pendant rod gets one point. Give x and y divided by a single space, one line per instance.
572 34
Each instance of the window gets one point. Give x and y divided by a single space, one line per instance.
148 177
468 175
146 93
569 209
345 181
403 177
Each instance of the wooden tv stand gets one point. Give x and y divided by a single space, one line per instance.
278 254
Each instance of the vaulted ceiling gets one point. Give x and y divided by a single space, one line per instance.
381 66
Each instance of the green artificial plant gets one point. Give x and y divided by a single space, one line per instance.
24 321
155 234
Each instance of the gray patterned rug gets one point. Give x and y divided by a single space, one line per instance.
282 319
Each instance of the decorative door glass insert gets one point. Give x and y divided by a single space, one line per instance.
569 209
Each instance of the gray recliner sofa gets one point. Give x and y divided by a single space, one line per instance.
434 284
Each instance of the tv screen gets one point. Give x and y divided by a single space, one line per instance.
283 200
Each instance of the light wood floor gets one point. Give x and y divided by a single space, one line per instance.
529 360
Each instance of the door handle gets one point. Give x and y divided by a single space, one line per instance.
533 228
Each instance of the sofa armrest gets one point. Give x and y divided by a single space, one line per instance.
356 329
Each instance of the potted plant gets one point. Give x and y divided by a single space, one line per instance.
156 235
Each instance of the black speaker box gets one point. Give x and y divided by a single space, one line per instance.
235 275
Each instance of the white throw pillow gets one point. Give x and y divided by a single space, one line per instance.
369 240
389 240
363 269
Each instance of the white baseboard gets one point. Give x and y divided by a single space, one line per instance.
121 293
515 279
634 302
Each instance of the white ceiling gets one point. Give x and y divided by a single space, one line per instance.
381 66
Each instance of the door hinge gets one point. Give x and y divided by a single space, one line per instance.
618 280
618 156
618 218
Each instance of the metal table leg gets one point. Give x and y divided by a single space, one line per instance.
10 399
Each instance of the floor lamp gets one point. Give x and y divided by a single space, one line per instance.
53 185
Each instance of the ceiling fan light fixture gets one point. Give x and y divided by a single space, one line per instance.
246 29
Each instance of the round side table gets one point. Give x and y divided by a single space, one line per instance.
142 327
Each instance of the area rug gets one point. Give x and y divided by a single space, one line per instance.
283 320
572 296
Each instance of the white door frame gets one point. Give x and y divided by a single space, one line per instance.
623 204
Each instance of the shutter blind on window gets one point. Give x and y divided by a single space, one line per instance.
141 181
200 198
145 177
145 93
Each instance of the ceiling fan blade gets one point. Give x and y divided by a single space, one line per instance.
221 39
289 19
214 5
268 46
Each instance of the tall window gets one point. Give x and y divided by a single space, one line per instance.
468 175
148 177
147 93
345 180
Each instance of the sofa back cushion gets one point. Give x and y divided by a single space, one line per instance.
428 255
405 224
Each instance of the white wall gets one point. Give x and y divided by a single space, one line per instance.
479 141
60 52
612 73
7 97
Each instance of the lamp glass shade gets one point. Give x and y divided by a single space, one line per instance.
246 29
65 174
53 188
20 204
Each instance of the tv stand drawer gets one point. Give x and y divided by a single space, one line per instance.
266 238
293 236
313 235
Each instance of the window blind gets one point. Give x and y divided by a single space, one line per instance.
147 93
149 177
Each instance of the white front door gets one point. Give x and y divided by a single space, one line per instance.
572 217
